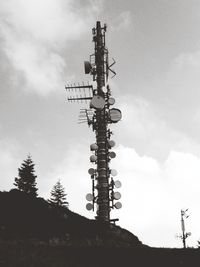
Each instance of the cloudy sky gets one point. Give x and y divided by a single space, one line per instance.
156 44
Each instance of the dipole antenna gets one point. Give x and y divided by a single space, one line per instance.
100 115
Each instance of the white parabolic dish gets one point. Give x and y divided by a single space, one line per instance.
89 197
97 102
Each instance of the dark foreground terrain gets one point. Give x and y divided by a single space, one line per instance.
26 255
35 233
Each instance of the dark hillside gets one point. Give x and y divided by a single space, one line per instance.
26 217
34 233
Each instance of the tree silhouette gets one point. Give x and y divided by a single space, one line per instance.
58 195
26 181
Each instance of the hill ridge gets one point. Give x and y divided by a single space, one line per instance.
26 217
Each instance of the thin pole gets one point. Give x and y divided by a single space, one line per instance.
183 229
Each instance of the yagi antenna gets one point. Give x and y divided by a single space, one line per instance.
83 95
100 114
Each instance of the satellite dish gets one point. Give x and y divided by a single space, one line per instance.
117 184
111 101
111 143
89 197
117 195
113 172
97 102
91 171
87 67
89 206
93 147
118 205
93 158
112 155
115 115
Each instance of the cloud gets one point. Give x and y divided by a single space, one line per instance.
35 35
125 20
147 130
182 80
187 59
122 22
9 161
176 94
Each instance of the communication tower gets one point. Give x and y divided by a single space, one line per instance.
99 115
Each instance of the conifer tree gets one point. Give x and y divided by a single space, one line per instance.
58 195
26 180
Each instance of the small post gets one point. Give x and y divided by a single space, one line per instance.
185 234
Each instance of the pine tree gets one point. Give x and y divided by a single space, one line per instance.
58 195
26 181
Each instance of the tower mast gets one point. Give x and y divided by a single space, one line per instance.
100 115
101 129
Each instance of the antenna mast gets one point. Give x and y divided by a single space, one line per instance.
100 115
184 234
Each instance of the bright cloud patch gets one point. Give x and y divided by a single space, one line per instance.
34 34
148 131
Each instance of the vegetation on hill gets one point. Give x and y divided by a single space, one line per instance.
58 195
26 180
26 217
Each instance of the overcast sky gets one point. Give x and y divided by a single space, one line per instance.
156 44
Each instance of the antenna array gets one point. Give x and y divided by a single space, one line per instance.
99 115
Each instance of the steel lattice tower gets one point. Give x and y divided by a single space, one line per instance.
100 115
